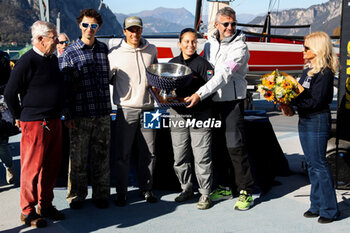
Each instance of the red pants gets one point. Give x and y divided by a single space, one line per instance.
41 155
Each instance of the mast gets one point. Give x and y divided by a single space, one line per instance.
267 26
197 18
44 10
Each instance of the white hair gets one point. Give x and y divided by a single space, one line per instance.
64 34
41 28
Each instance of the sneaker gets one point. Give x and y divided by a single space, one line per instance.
221 193
51 213
10 175
148 196
245 201
184 196
204 202
120 200
33 219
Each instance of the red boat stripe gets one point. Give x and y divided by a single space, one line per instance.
275 57
164 52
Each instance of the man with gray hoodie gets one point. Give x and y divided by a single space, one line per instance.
128 62
228 53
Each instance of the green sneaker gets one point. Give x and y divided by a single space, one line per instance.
244 202
221 193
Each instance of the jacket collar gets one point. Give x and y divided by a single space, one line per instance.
188 60
227 40
81 45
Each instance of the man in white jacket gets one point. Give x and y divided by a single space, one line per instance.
228 53
128 62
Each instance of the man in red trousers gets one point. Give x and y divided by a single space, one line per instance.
37 80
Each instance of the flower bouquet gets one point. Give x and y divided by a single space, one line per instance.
279 87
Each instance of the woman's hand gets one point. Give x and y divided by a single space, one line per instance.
286 110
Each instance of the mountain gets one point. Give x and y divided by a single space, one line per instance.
162 19
18 15
152 24
322 17
171 20
179 16
245 18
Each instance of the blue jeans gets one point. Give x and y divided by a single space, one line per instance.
313 135
5 154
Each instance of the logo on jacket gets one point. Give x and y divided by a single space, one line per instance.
210 74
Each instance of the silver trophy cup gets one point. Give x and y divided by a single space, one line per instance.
166 78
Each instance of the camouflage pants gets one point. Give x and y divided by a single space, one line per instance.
90 137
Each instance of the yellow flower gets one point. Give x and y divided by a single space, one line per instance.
279 87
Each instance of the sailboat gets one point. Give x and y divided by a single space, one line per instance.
267 52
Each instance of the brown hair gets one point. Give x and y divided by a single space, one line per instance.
91 13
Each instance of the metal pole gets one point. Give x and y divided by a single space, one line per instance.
198 15
58 23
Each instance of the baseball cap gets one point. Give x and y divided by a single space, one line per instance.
132 21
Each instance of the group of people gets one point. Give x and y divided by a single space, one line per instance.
74 86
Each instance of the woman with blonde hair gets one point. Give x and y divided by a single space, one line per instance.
315 122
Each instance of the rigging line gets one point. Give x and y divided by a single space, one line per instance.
272 5
269 9
238 4
277 17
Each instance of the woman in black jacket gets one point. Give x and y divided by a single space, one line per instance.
195 137
315 122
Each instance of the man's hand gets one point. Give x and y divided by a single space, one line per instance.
18 123
193 100
69 124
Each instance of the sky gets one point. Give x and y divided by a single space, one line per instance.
240 6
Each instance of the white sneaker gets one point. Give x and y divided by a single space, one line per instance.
204 202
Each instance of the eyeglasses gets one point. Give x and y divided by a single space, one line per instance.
306 48
92 25
63 42
233 24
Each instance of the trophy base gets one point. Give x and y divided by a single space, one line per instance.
166 101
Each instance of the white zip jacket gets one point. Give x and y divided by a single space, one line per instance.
230 60
128 74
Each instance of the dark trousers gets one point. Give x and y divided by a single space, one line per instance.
130 135
231 114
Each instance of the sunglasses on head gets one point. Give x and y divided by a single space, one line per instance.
92 25
233 24
63 42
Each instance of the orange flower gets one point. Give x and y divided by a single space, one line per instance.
269 96
287 85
